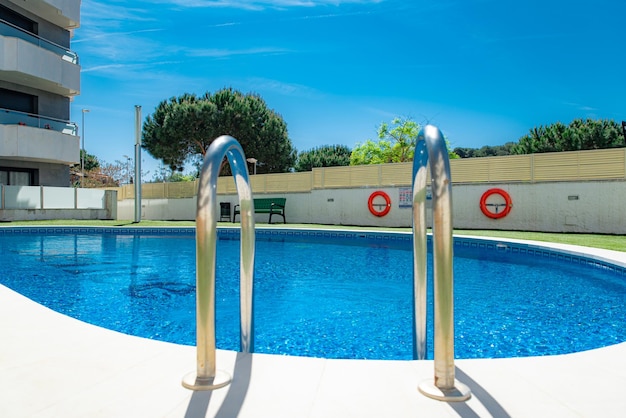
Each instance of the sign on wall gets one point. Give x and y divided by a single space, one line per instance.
406 196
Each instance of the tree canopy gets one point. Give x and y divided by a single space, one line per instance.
90 160
485 151
182 128
166 175
578 135
323 156
396 143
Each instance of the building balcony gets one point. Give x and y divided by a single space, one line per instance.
28 137
63 13
9 30
27 59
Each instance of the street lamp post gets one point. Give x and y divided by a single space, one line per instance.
253 161
82 152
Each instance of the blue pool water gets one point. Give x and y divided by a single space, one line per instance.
322 299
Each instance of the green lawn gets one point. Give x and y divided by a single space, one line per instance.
610 242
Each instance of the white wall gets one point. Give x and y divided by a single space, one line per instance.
331 207
598 207
21 203
159 209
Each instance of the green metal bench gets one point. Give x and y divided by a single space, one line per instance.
271 205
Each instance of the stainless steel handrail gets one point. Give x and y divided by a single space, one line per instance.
431 147
206 377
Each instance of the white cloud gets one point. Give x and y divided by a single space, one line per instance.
224 53
104 67
284 89
99 14
125 70
582 107
92 35
262 4
112 33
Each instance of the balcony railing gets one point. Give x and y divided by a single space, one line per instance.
8 29
13 117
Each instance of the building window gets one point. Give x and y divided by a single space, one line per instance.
18 20
16 176
21 102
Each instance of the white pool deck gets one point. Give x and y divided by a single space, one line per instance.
52 365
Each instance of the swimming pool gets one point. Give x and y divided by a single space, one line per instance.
511 299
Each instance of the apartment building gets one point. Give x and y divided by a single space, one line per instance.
39 76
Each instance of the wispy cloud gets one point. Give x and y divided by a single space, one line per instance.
221 25
97 13
104 67
113 33
383 114
582 107
282 88
225 53
94 35
262 4
119 47
114 68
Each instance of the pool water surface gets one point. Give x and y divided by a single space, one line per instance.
318 299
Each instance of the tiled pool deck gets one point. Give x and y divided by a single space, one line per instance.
55 366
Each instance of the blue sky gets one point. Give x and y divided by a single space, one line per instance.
484 71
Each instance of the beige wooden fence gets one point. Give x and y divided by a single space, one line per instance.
607 164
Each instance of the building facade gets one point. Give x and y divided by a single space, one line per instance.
39 76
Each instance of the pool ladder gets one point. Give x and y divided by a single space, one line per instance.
431 146
206 376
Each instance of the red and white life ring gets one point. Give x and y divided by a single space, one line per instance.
508 204
373 207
